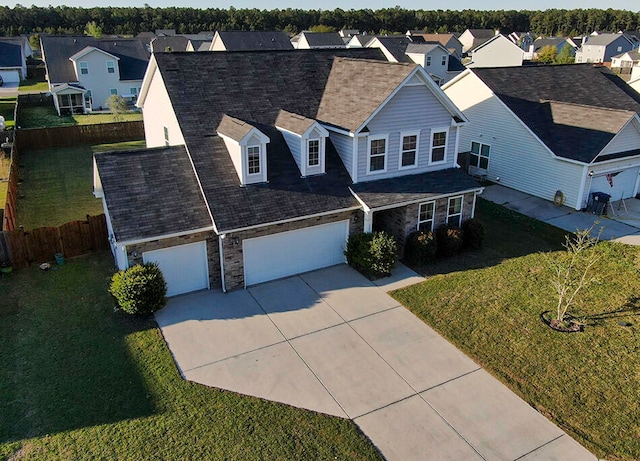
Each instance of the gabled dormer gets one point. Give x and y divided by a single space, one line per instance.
307 141
94 63
247 146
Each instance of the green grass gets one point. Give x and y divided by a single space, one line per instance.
46 117
4 187
78 381
30 85
587 383
57 184
7 108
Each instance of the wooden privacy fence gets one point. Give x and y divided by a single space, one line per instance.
9 214
64 136
39 245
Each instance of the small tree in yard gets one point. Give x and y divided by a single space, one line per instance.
141 289
572 270
547 54
117 105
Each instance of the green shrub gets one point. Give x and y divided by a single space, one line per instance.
450 239
421 247
141 289
374 255
473 234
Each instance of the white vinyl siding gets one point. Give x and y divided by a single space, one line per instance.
627 139
624 183
413 108
501 52
344 147
157 114
378 154
293 142
518 158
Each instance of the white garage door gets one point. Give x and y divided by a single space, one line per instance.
293 252
10 76
624 184
184 267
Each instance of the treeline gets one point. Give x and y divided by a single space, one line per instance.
131 21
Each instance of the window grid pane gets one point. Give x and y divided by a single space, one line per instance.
454 211
409 144
378 154
425 216
253 154
314 152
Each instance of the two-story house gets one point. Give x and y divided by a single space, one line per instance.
306 40
601 48
14 52
498 51
84 71
263 163
436 60
473 38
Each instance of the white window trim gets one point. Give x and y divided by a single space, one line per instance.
433 218
386 153
446 145
260 166
320 153
480 155
401 150
113 64
86 66
461 197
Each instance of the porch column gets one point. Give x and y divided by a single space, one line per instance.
368 220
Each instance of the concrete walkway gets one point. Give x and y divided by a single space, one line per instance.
624 227
333 342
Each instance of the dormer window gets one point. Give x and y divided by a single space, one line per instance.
253 159
84 67
313 152
111 67
306 139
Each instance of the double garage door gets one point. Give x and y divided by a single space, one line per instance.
293 252
185 267
624 184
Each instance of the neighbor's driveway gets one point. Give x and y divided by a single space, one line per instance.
333 342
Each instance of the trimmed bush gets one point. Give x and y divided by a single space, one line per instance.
450 239
373 255
141 289
473 234
421 247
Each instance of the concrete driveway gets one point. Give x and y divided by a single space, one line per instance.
333 342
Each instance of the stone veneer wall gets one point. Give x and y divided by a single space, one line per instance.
233 256
213 255
402 221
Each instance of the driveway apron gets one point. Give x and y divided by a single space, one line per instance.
332 341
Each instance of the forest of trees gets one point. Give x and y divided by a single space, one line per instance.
131 21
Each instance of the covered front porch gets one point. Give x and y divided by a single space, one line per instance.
70 100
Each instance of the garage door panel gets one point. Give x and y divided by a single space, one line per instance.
293 252
185 267
10 76
623 184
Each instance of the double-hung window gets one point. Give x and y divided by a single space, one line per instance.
313 152
426 212
408 150
438 145
444 60
479 155
84 67
377 154
111 67
428 61
454 211
253 159
113 91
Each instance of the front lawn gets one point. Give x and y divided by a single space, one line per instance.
587 383
7 108
78 381
57 184
31 86
46 117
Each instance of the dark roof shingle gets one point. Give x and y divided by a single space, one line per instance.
237 40
10 55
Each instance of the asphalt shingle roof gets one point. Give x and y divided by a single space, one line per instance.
602 39
234 128
254 87
550 41
414 188
321 39
10 55
58 48
146 192
169 43
294 123
236 40
396 45
574 109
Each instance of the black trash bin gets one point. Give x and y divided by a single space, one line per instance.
599 202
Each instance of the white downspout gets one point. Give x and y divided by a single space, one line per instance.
368 220
220 250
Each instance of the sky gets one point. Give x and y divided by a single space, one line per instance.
632 5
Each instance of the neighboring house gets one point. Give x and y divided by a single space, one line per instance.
267 161
319 40
601 48
169 43
13 60
394 47
557 42
348 33
239 40
199 45
523 40
498 51
634 80
624 62
435 59
83 71
448 41
473 38
359 41
565 131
